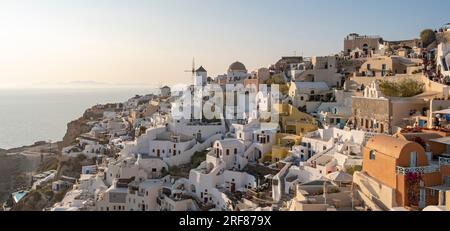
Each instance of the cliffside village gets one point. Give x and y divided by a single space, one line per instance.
337 137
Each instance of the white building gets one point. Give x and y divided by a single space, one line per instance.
165 92
308 94
237 73
443 59
336 114
141 167
200 77
324 69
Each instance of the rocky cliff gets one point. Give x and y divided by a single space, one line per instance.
80 126
74 129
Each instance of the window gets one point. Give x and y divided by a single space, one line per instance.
413 160
235 151
372 154
324 148
228 152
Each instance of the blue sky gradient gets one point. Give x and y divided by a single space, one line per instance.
153 41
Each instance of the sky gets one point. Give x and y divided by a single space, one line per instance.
152 42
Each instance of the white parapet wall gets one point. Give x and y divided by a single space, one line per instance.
375 195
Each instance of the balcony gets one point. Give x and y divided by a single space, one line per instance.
421 170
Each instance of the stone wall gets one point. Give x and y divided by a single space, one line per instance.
366 110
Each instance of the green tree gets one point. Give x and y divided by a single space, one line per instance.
427 36
410 87
402 88
389 88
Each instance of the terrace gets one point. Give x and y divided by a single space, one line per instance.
417 170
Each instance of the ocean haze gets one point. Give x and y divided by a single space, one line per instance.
30 115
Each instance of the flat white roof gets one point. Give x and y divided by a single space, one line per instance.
312 85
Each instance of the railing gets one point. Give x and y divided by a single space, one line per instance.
444 161
420 170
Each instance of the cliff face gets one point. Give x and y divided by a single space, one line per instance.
79 126
74 129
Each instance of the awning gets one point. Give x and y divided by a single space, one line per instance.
445 111
439 187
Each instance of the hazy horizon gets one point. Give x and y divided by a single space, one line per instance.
55 42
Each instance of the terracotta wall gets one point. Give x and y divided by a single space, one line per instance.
383 168
405 156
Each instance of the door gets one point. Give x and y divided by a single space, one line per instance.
422 200
233 187
413 160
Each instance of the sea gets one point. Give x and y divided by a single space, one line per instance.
30 115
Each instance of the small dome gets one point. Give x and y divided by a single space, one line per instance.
237 66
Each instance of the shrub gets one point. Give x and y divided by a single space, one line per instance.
402 88
351 170
198 158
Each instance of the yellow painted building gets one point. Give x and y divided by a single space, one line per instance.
284 143
293 121
293 125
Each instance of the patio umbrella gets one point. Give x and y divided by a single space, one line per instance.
445 111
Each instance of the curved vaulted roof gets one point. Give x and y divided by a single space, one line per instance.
237 66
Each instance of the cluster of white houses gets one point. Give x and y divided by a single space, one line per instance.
251 163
